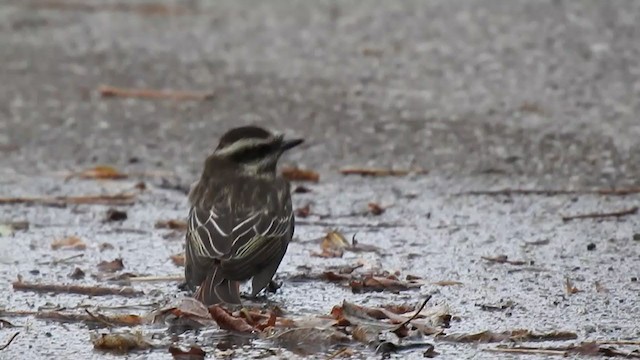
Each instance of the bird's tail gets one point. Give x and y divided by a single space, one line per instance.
215 289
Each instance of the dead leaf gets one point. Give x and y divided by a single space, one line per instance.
111 266
172 224
188 314
379 171
447 283
69 243
116 215
227 321
600 288
378 284
304 211
120 342
112 91
365 335
301 190
333 245
503 305
568 285
307 340
296 174
375 209
194 353
178 259
77 274
519 335
9 228
101 173
503 259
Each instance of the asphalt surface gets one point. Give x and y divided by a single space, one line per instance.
484 94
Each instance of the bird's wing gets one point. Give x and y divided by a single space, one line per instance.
241 241
264 244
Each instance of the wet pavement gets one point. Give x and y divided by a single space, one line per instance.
488 95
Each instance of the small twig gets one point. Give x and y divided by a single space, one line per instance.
141 9
336 224
59 261
168 278
9 342
615 214
99 319
380 171
76 289
414 316
338 353
528 351
618 342
116 200
111 91
542 192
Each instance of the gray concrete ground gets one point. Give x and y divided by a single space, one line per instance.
484 94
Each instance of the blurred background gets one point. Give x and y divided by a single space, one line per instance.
541 90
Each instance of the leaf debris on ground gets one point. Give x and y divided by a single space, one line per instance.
101 172
503 259
121 342
153 94
519 335
75 289
59 201
69 243
583 349
172 224
379 171
602 215
296 174
112 266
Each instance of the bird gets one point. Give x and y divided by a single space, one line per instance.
241 219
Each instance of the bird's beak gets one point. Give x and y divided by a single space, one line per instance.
290 144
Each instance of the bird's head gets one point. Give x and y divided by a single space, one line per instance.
253 149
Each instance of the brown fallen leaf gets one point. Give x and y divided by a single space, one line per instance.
75 289
568 285
172 224
379 171
77 274
194 353
120 342
111 266
69 243
139 9
304 211
178 259
378 284
600 288
301 190
447 283
333 245
112 91
115 215
100 173
296 174
306 341
503 259
375 209
584 349
106 246
519 335
58 201
227 321
189 313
